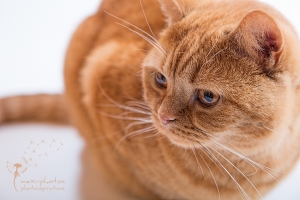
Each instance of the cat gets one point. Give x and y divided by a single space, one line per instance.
204 105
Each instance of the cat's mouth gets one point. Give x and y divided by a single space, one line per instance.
181 138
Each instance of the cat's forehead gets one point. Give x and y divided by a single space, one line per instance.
181 38
191 46
194 58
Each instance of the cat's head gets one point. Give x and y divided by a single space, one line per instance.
211 79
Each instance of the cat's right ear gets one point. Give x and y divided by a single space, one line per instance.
260 37
175 10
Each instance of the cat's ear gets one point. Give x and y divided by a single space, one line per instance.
175 10
260 37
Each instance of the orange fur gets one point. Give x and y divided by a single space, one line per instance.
43 107
242 52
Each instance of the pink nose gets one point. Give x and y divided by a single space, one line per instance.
165 119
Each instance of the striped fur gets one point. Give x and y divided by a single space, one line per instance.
244 51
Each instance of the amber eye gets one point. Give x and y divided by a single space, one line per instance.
161 80
208 99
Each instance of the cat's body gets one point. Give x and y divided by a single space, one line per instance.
239 147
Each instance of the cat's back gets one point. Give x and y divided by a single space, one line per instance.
108 44
115 20
118 17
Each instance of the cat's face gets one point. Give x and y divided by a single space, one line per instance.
205 89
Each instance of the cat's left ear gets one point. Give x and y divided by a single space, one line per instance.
175 10
260 37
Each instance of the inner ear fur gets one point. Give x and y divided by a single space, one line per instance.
259 36
175 10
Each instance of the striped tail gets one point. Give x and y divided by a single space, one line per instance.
41 108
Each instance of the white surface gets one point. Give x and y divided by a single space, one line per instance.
33 39
58 157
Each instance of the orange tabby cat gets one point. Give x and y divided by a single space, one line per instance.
210 110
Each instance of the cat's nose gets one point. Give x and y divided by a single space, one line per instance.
166 119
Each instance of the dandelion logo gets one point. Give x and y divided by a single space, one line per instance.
31 156
16 169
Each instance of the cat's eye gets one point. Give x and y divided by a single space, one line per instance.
160 80
208 99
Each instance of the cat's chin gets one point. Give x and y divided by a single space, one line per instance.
181 141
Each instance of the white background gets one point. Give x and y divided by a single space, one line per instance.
33 39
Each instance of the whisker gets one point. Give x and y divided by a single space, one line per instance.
116 103
129 126
198 163
238 171
244 159
146 120
128 108
264 168
249 161
275 132
152 42
212 48
213 57
212 161
211 174
126 129
134 133
153 135
153 38
138 104
238 150
209 157
147 20
233 179
255 163
147 51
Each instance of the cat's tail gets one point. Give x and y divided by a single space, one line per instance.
42 108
